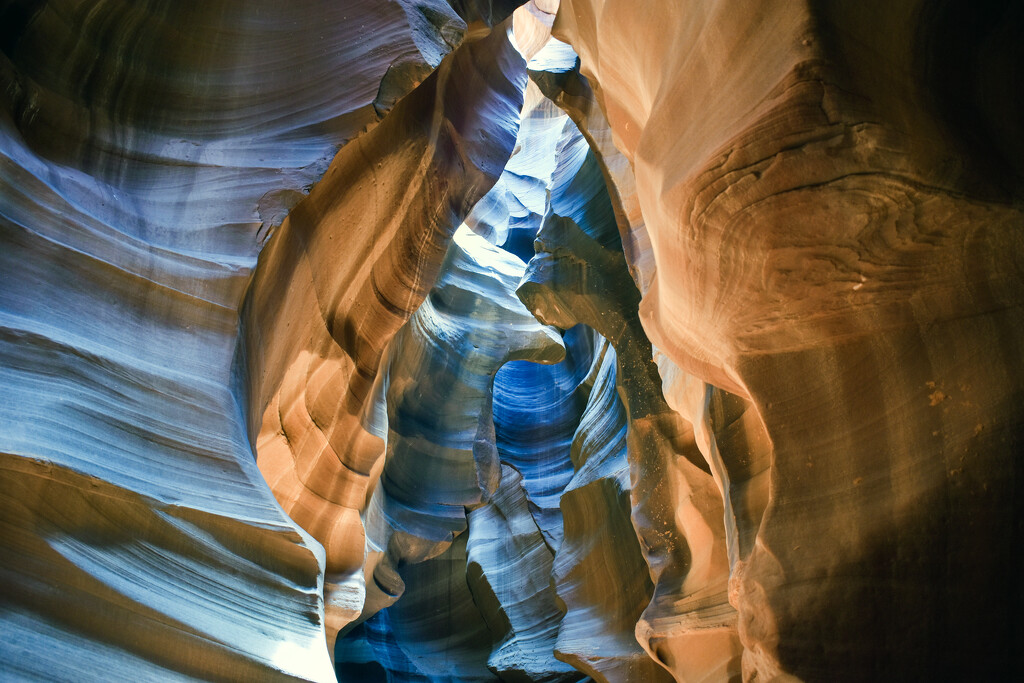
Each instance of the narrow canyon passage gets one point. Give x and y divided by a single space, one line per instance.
503 511
476 340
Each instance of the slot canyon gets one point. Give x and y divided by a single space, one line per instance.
482 340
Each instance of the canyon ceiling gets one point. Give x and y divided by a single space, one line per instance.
416 340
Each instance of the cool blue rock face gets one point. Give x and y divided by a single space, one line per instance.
442 463
543 495
441 457
147 150
147 153
536 411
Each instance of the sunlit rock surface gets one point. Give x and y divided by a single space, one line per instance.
688 626
832 194
319 319
572 92
783 246
146 153
147 150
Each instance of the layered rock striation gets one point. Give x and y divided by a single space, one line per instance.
146 153
685 345
312 381
834 233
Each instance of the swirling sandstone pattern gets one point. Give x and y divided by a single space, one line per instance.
441 453
600 548
536 411
688 626
390 200
147 151
509 572
784 246
836 232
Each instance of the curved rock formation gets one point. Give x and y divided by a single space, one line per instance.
434 633
579 275
688 627
146 151
835 236
536 411
441 452
436 626
509 573
600 548
333 314
783 243
510 214
442 461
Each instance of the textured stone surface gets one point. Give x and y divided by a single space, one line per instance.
835 233
783 243
536 411
601 547
677 511
319 319
147 151
509 571
441 455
